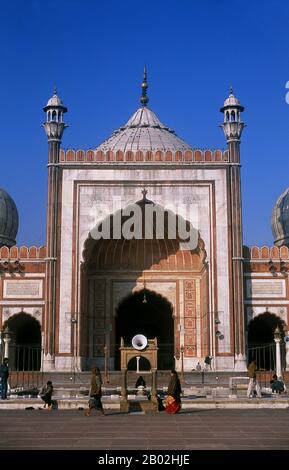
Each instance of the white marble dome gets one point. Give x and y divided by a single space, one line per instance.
144 131
280 220
231 101
55 101
8 219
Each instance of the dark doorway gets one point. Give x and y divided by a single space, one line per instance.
25 349
151 315
261 345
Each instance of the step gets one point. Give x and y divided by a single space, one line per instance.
138 406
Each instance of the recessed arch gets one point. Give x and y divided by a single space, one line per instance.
25 346
150 314
144 364
143 251
261 345
111 265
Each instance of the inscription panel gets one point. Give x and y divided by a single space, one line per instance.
265 288
22 289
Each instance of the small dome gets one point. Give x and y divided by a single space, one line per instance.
8 219
280 220
55 102
145 132
231 101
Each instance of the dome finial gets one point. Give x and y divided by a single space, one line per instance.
144 86
231 90
144 194
55 90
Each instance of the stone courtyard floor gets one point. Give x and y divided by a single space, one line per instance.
216 429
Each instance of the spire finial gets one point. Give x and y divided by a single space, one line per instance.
144 194
231 90
55 90
144 86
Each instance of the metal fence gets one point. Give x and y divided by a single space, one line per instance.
25 365
265 356
25 357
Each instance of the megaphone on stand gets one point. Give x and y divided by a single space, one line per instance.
139 342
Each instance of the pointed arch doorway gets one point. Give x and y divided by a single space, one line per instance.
25 348
261 345
114 269
148 313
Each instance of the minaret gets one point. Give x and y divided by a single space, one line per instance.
233 127
54 128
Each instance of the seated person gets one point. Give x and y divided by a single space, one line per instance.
46 394
140 382
277 385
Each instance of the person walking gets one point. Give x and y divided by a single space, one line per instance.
253 382
173 400
4 374
95 392
46 395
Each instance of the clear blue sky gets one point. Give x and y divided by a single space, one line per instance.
95 51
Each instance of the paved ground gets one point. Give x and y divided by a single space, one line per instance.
200 429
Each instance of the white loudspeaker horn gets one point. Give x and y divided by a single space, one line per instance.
139 342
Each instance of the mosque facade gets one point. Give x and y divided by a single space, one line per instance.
106 273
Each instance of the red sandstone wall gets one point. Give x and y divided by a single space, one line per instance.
190 156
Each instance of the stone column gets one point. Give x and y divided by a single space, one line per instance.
123 384
154 383
6 340
154 396
277 339
237 256
124 405
287 352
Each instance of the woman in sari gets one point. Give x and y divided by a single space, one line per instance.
173 401
95 392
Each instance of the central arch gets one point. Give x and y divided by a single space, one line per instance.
261 345
114 268
148 313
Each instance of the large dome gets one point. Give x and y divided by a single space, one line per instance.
280 220
8 219
144 131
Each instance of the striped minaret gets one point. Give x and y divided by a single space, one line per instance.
54 127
